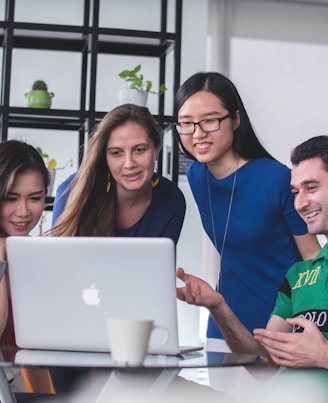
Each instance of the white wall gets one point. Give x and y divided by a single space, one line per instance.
277 54
283 79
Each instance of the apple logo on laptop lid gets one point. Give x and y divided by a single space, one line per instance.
90 295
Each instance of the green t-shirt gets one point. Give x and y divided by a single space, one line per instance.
304 292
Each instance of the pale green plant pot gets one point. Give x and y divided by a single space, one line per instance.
39 99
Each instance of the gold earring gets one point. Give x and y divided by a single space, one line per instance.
108 183
154 181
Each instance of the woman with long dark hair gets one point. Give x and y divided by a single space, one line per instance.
24 180
244 199
117 191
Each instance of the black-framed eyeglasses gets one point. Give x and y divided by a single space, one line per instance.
207 125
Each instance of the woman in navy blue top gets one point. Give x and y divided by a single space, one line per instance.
243 196
116 191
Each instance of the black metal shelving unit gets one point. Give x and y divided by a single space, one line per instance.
90 40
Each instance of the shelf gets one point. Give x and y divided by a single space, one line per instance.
89 40
44 118
73 38
63 119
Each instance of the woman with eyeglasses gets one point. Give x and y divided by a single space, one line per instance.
244 199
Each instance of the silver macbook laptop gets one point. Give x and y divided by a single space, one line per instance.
63 289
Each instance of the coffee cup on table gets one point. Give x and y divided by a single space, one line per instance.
129 340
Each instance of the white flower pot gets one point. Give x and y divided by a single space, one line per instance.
132 96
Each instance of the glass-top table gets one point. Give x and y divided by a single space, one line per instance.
154 376
198 359
232 377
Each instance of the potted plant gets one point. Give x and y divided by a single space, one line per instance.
137 87
39 97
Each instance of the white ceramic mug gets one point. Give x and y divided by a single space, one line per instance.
129 339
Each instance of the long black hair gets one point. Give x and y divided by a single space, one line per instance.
245 143
17 157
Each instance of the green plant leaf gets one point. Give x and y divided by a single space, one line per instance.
149 84
136 81
162 89
137 69
43 155
125 74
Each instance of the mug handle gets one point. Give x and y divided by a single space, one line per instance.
153 349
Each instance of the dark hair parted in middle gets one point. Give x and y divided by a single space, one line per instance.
245 141
90 210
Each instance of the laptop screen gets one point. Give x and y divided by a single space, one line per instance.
63 289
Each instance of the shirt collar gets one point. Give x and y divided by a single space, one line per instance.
323 254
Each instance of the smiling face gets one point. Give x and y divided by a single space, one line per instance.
212 147
131 157
309 184
22 207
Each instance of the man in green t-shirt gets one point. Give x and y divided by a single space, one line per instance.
296 334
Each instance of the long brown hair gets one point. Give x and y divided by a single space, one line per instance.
90 210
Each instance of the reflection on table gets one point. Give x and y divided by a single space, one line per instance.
231 378
100 377
198 359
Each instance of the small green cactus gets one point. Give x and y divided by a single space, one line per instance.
39 85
